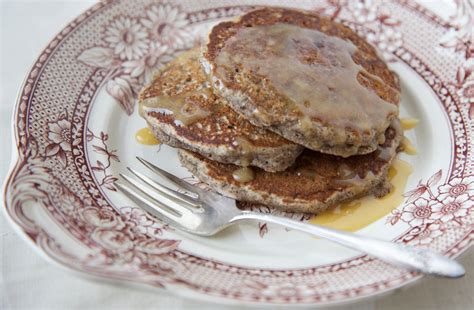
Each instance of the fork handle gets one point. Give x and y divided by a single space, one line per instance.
421 260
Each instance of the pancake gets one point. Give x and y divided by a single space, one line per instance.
182 111
314 182
309 79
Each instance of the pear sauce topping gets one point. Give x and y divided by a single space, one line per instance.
315 72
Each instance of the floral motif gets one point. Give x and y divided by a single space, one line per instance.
124 236
123 89
131 235
165 25
460 39
457 187
69 203
387 41
102 218
452 208
135 248
143 222
363 11
143 68
423 188
60 135
418 213
468 90
461 33
107 180
370 19
112 240
452 204
429 234
127 37
135 47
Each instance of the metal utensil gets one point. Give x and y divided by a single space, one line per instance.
205 213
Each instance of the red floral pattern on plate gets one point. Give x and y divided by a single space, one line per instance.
460 39
370 19
453 202
113 46
107 180
429 234
166 25
60 137
136 47
452 208
456 187
419 212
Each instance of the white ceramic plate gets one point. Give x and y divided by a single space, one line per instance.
74 132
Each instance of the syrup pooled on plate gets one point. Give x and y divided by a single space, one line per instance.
145 136
408 147
409 123
356 214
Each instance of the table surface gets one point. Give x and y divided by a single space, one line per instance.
28 281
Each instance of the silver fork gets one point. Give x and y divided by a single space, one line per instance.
205 213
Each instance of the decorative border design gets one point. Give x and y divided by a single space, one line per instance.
128 244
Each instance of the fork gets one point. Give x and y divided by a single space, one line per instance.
205 213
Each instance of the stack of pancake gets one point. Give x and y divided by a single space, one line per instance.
282 108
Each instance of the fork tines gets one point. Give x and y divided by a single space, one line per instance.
156 197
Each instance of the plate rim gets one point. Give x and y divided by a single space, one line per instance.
183 291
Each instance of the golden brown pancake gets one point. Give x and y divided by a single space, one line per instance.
314 182
183 112
310 79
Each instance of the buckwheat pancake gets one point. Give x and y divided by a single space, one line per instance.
182 111
310 79
314 182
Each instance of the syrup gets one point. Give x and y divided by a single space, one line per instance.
145 136
183 110
408 147
314 71
356 214
409 123
243 175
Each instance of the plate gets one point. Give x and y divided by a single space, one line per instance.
74 127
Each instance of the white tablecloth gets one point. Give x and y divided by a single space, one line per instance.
28 281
